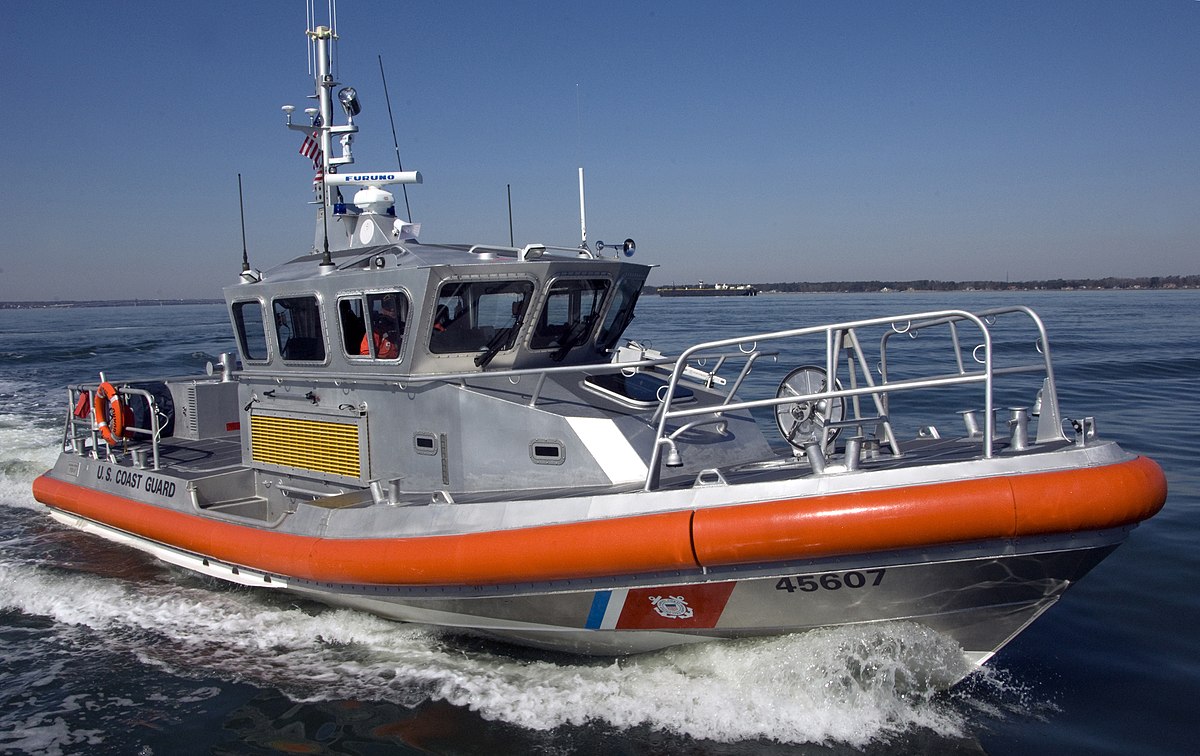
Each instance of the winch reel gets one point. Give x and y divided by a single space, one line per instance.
804 423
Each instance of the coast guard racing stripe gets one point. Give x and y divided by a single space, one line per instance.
665 608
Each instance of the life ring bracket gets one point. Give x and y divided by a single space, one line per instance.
108 413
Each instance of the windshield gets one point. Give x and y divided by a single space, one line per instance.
569 313
620 313
471 316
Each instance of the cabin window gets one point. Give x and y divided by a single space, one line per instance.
387 313
620 313
570 312
251 332
354 324
298 329
472 316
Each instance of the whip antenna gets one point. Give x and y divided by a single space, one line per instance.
247 275
395 142
242 212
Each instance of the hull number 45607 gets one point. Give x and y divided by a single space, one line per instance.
831 581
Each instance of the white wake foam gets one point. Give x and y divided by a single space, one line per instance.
852 685
26 451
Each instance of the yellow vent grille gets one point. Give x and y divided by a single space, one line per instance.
319 445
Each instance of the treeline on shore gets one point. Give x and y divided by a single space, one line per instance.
1053 284
40 304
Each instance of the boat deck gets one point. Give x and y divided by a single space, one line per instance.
210 462
194 460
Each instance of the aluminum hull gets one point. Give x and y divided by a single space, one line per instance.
979 591
981 595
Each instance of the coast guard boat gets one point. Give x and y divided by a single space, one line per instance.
459 436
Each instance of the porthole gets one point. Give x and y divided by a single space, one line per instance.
425 443
547 452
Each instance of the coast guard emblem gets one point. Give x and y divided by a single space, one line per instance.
671 607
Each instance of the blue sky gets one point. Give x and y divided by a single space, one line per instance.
777 141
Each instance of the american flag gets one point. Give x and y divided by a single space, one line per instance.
311 149
319 180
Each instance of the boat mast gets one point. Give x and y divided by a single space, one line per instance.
368 217
322 37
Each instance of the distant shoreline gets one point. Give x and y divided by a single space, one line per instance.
1152 283
69 303
1149 283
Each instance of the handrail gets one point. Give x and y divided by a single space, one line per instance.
405 380
488 248
1050 408
70 437
842 338
529 251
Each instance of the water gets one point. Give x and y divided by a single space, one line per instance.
104 650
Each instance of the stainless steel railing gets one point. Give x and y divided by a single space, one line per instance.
841 341
82 433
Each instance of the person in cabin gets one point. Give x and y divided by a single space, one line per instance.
386 328
441 318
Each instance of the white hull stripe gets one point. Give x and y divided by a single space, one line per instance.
610 449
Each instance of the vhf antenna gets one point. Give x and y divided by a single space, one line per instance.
242 212
395 142
510 226
247 275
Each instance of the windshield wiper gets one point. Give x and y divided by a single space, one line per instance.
573 338
497 344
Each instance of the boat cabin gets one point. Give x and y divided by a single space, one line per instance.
421 367
433 309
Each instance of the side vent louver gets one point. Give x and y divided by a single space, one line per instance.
190 411
320 445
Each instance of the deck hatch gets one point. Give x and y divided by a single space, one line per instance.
320 445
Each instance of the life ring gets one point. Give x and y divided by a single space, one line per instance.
106 403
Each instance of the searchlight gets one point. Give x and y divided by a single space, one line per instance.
349 99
